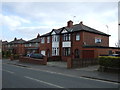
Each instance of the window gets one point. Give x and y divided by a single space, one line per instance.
30 44
55 51
36 44
66 37
98 40
77 36
43 52
48 39
55 38
43 40
66 51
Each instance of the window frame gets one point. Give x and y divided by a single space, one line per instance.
66 51
77 36
42 40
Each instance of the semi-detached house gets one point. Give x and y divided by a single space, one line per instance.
75 41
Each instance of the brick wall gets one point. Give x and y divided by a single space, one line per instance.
89 38
46 46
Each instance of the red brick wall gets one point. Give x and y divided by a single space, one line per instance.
20 49
89 38
45 46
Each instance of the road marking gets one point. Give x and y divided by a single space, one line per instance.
8 71
72 76
69 75
44 82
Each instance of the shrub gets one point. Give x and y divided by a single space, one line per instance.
16 56
109 61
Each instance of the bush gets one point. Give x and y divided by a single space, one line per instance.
16 56
6 54
109 61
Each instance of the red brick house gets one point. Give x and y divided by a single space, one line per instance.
75 41
16 46
4 45
32 46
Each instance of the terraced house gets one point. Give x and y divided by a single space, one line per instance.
75 41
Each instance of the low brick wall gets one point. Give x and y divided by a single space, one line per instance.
33 60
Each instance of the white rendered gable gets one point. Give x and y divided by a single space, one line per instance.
53 33
64 31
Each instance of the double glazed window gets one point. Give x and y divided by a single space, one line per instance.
77 36
66 51
66 37
55 51
48 39
43 40
98 40
55 38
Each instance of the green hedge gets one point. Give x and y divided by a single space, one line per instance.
109 61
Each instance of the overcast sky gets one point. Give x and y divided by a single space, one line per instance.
27 19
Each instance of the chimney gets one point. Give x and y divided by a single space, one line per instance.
38 35
81 22
69 23
15 39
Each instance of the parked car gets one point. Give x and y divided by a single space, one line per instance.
37 55
115 55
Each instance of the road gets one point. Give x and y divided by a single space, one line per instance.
23 77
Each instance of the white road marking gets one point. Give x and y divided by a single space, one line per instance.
68 75
8 71
73 76
44 82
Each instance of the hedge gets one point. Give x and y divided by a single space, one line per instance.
109 61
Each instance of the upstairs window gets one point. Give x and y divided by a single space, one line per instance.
77 37
98 40
48 39
55 38
43 40
66 37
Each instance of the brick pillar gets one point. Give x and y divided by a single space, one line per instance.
11 57
69 63
45 60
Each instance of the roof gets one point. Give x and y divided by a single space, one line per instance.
4 42
18 41
76 28
47 34
35 40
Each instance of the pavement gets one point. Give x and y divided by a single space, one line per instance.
87 72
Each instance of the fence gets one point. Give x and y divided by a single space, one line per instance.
83 62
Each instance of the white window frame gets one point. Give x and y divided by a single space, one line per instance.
77 37
55 51
48 39
43 40
55 38
98 40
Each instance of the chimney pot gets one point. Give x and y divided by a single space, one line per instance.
81 22
70 23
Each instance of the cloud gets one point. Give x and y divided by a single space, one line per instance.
12 21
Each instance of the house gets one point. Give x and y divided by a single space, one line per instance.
16 46
75 41
4 45
32 46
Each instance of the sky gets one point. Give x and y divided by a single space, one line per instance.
27 19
